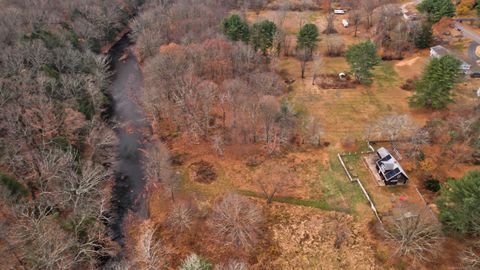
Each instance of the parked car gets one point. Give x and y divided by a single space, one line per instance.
339 11
475 75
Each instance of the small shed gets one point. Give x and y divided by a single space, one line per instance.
389 168
345 23
339 11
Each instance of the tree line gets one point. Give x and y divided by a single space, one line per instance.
57 153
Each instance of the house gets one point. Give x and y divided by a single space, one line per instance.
339 11
345 23
389 168
439 51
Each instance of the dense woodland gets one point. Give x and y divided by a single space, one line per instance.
211 79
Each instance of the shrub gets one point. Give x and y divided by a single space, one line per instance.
432 185
195 262
15 188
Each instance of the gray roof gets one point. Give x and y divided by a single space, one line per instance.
388 165
442 51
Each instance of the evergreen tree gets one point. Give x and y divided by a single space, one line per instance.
235 28
438 78
362 58
262 35
437 9
459 204
423 36
307 40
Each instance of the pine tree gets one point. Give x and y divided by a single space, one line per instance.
433 91
459 204
307 40
437 9
262 35
235 28
362 58
423 36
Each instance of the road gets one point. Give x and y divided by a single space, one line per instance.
404 9
467 32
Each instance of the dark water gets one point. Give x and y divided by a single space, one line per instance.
132 129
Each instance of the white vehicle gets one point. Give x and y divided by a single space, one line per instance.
339 11
345 23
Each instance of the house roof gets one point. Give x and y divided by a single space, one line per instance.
388 164
442 51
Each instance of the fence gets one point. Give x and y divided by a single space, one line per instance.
357 180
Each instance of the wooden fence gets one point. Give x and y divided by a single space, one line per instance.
357 180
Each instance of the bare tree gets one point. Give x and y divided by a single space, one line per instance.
256 5
269 108
335 46
157 164
218 144
236 221
102 141
330 25
471 257
368 7
314 131
394 127
232 265
150 252
414 230
317 64
181 217
272 180
419 138
355 18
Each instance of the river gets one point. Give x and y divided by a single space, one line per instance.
132 130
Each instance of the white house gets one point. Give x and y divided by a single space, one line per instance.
439 51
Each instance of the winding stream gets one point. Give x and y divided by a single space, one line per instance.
132 129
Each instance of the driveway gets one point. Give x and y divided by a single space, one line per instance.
472 51
404 9
468 33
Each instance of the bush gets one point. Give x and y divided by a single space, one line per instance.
409 85
15 188
423 36
195 262
432 185
459 204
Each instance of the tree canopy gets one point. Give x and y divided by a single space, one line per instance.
308 37
437 9
459 204
262 35
362 58
307 40
235 28
423 36
433 89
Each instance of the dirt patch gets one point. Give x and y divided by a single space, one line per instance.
408 62
333 81
204 172
312 239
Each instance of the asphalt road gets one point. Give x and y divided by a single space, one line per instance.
468 33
